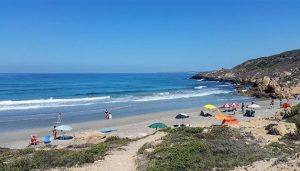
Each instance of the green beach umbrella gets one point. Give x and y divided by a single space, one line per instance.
158 125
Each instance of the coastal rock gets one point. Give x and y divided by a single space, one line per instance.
148 151
281 128
276 76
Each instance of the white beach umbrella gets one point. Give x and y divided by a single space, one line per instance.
64 128
254 106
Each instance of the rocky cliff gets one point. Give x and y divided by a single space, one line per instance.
275 76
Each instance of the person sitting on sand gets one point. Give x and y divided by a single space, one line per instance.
33 140
202 113
54 132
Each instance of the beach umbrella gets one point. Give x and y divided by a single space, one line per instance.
182 116
158 125
209 106
254 106
234 105
226 105
64 128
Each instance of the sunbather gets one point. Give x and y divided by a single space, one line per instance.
33 140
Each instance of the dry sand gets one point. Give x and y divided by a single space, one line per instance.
131 127
120 159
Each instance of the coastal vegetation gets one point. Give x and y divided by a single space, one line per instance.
46 158
296 116
195 149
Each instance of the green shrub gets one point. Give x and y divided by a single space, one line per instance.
221 148
296 110
98 149
30 159
116 140
295 119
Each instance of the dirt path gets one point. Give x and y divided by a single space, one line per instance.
120 159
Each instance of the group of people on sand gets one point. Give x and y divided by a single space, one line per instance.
33 139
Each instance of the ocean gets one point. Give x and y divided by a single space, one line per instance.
34 100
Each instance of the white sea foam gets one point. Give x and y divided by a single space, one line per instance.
199 87
4 108
52 100
225 85
167 96
179 95
52 103
163 93
48 103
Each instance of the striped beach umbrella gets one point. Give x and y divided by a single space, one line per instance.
234 105
226 105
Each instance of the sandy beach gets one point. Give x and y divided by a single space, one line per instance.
131 127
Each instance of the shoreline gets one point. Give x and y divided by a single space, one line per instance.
131 127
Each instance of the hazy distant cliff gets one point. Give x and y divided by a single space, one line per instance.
277 75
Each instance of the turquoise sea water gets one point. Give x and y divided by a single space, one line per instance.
34 100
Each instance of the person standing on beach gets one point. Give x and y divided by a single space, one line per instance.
234 110
243 108
106 114
272 104
54 132
280 102
59 118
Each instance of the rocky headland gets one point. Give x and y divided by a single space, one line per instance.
275 76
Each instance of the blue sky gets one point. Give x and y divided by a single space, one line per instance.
142 35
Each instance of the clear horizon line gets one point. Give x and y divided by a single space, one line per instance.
99 72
